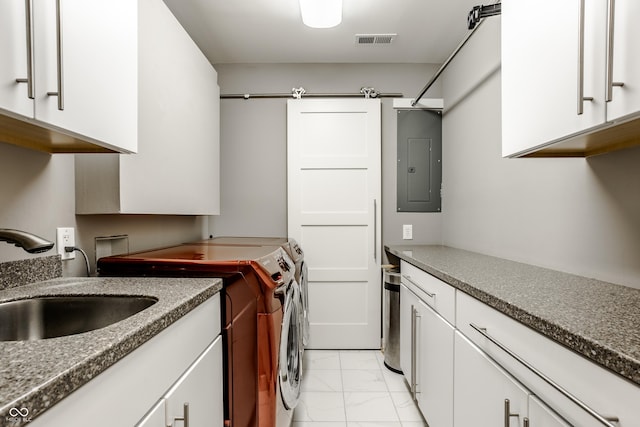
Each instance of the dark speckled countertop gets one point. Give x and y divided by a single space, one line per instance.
38 374
597 319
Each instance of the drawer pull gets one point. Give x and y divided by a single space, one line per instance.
184 418
507 413
410 280
606 421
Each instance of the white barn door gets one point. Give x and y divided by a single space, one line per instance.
334 189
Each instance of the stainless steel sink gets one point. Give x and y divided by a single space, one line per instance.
57 316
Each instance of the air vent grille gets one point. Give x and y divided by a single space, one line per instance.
371 39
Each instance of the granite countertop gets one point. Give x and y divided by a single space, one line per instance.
38 374
596 319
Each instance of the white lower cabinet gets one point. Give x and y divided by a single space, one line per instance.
435 371
427 358
488 396
150 386
463 374
483 392
540 415
196 396
584 394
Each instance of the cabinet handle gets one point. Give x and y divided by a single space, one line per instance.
60 92
525 422
184 418
610 45
603 420
29 26
581 97
414 351
507 413
430 294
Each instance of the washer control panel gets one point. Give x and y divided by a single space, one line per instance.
279 266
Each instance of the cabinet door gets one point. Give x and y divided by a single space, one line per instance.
482 388
435 367
155 417
13 51
99 60
540 71
540 415
178 123
199 389
408 301
177 168
626 60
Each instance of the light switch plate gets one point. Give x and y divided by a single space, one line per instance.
407 232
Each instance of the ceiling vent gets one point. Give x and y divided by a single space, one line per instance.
371 39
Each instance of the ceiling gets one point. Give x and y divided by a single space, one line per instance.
271 31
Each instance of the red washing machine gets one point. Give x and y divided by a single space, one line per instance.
294 251
262 318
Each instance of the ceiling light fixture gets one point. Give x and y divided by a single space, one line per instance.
321 13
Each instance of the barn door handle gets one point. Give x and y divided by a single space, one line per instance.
375 229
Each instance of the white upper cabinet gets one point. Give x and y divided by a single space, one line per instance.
625 51
541 70
176 169
79 60
554 76
13 51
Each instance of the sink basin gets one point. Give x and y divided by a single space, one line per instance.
57 316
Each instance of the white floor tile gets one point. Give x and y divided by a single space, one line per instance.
363 380
370 406
395 382
353 388
318 424
322 380
406 407
358 359
320 406
321 359
372 424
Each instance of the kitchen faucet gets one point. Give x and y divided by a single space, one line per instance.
27 241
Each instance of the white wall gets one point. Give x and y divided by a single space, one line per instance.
37 195
253 142
575 215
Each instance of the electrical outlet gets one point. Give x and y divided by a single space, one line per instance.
65 236
407 232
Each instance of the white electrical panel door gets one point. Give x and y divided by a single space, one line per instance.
334 190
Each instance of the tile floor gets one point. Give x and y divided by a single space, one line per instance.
349 388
